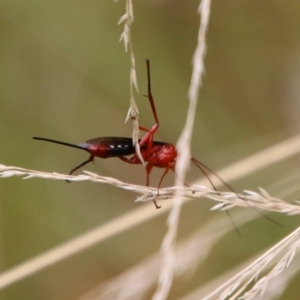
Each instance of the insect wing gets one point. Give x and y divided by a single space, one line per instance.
116 146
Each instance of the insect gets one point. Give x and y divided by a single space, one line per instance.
103 147
155 153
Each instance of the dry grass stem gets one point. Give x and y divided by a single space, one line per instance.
275 288
133 112
227 200
183 146
279 255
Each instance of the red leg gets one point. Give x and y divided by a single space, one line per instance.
149 92
135 160
148 170
163 176
148 138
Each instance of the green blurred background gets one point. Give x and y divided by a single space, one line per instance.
64 75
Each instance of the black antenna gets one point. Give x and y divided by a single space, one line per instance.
200 165
60 143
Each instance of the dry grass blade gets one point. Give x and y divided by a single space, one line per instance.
226 200
234 288
276 285
183 146
133 112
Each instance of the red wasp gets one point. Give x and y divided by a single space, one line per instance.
156 154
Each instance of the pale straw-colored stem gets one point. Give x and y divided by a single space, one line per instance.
233 288
133 112
183 146
226 200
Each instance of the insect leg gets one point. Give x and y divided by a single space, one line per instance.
91 158
148 138
148 170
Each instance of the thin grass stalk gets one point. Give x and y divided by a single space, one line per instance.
167 249
236 283
133 111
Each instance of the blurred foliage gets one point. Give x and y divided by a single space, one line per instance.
64 75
